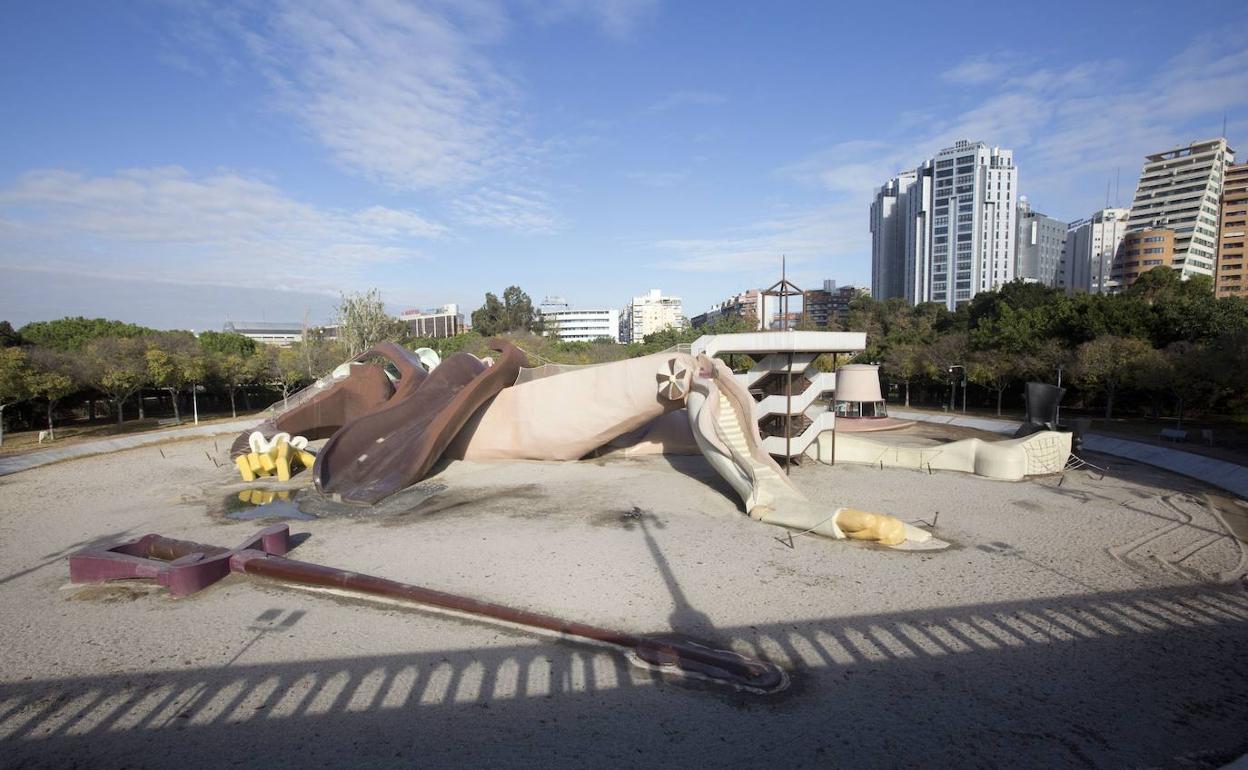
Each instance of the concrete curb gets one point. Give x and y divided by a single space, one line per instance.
1229 476
22 462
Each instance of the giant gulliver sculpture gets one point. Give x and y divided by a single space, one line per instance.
468 408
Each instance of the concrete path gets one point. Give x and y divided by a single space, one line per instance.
1229 476
15 463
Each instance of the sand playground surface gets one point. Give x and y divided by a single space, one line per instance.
1076 620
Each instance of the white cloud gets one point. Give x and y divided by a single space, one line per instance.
401 94
166 223
1071 129
523 211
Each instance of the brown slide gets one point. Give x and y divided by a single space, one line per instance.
366 388
362 391
396 444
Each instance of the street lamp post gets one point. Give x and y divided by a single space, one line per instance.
953 388
1057 414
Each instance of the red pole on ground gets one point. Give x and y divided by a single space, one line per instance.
186 567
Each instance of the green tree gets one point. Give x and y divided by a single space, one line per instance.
363 322
14 380
1107 363
72 334
942 356
517 310
996 370
52 379
166 374
903 363
8 337
285 371
489 319
117 367
234 373
227 342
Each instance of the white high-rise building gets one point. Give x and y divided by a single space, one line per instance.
571 324
1088 256
1180 191
649 313
888 235
958 234
916 205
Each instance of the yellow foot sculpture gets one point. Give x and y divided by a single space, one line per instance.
275 456
263 496
861 525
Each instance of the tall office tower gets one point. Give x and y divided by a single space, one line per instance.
649 313
966 244
1176 202
972 221
888 259
1088 255
1038 245
916 205
1229 281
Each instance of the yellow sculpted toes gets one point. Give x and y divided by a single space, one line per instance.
278 457
861 525
282 461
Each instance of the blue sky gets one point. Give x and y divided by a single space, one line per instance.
180 163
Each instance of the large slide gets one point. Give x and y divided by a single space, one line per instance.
395 444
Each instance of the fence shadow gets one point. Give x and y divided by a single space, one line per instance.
1152 677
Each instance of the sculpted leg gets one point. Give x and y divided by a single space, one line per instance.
720 414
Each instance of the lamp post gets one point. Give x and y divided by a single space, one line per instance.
1057 414
954 388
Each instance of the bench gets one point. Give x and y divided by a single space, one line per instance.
168 421
1173 434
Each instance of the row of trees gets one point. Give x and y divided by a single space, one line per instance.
1164 342
82 360
119 368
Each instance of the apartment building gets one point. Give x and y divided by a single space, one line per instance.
571 324
1038 245
1088 255
955 219
1229 277
1180 191
888 237
444 321
649 313
829 305
747 304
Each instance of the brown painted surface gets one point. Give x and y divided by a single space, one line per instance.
319 417
397 443
186 567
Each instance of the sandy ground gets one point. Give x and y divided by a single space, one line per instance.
1075 621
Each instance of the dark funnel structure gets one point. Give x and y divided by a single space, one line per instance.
1042 400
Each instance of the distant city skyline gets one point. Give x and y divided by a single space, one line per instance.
183 165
